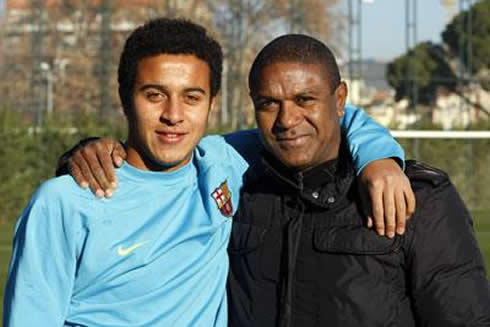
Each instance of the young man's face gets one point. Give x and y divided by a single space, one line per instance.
298 114
171 103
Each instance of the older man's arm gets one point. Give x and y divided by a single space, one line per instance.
445 267
91 163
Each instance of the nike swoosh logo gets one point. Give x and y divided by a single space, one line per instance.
122 251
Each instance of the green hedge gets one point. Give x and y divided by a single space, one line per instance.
28 155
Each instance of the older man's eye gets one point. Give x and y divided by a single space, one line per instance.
303 100
266 104
154 96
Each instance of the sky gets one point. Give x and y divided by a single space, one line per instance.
383 24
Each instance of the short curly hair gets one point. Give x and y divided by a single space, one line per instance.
295 48
167 36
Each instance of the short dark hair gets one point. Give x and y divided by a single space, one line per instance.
295 48
167 36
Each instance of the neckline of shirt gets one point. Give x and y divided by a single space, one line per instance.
148 176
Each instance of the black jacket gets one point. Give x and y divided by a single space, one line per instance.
300 255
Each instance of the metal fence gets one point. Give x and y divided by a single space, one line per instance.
464 155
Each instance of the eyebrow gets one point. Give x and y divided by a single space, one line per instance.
261 97
195 89
163 88
307 92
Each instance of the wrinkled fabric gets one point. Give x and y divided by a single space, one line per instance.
300 255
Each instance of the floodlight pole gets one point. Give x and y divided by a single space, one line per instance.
105 62
410 44
38 20
296 20
466 73
355 40
465 44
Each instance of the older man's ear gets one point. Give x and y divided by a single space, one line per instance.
340 94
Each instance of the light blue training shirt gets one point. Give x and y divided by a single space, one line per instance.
155 254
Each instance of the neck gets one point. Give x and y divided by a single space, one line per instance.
137 158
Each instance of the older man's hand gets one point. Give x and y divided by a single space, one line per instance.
387 197
93 165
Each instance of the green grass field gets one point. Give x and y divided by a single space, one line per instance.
481 218
482 227
6 231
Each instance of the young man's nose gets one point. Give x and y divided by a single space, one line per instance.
172 112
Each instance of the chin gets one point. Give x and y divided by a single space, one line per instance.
290 163
168 162
165 162
295 164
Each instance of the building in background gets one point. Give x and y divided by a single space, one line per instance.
450 110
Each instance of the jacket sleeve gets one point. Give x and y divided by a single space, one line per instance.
445 265
42 268
368 140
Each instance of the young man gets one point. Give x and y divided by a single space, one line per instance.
155 253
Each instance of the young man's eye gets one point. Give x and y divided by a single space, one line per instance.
193 98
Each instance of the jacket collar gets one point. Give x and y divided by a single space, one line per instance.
321 185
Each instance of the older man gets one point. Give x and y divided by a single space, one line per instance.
299 253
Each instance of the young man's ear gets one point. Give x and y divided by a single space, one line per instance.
340 98
125 111
126 107
212 103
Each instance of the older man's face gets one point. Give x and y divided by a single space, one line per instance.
298 114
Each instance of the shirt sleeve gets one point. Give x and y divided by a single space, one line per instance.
368 140
246 143
445 265
42 267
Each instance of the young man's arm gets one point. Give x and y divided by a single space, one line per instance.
381 179
368 140
391 198
42 268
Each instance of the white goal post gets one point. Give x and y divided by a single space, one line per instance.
414 134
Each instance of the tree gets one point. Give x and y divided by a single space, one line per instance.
425 66
73 55
244 27
457 38
430 66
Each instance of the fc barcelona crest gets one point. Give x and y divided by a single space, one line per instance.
222 196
